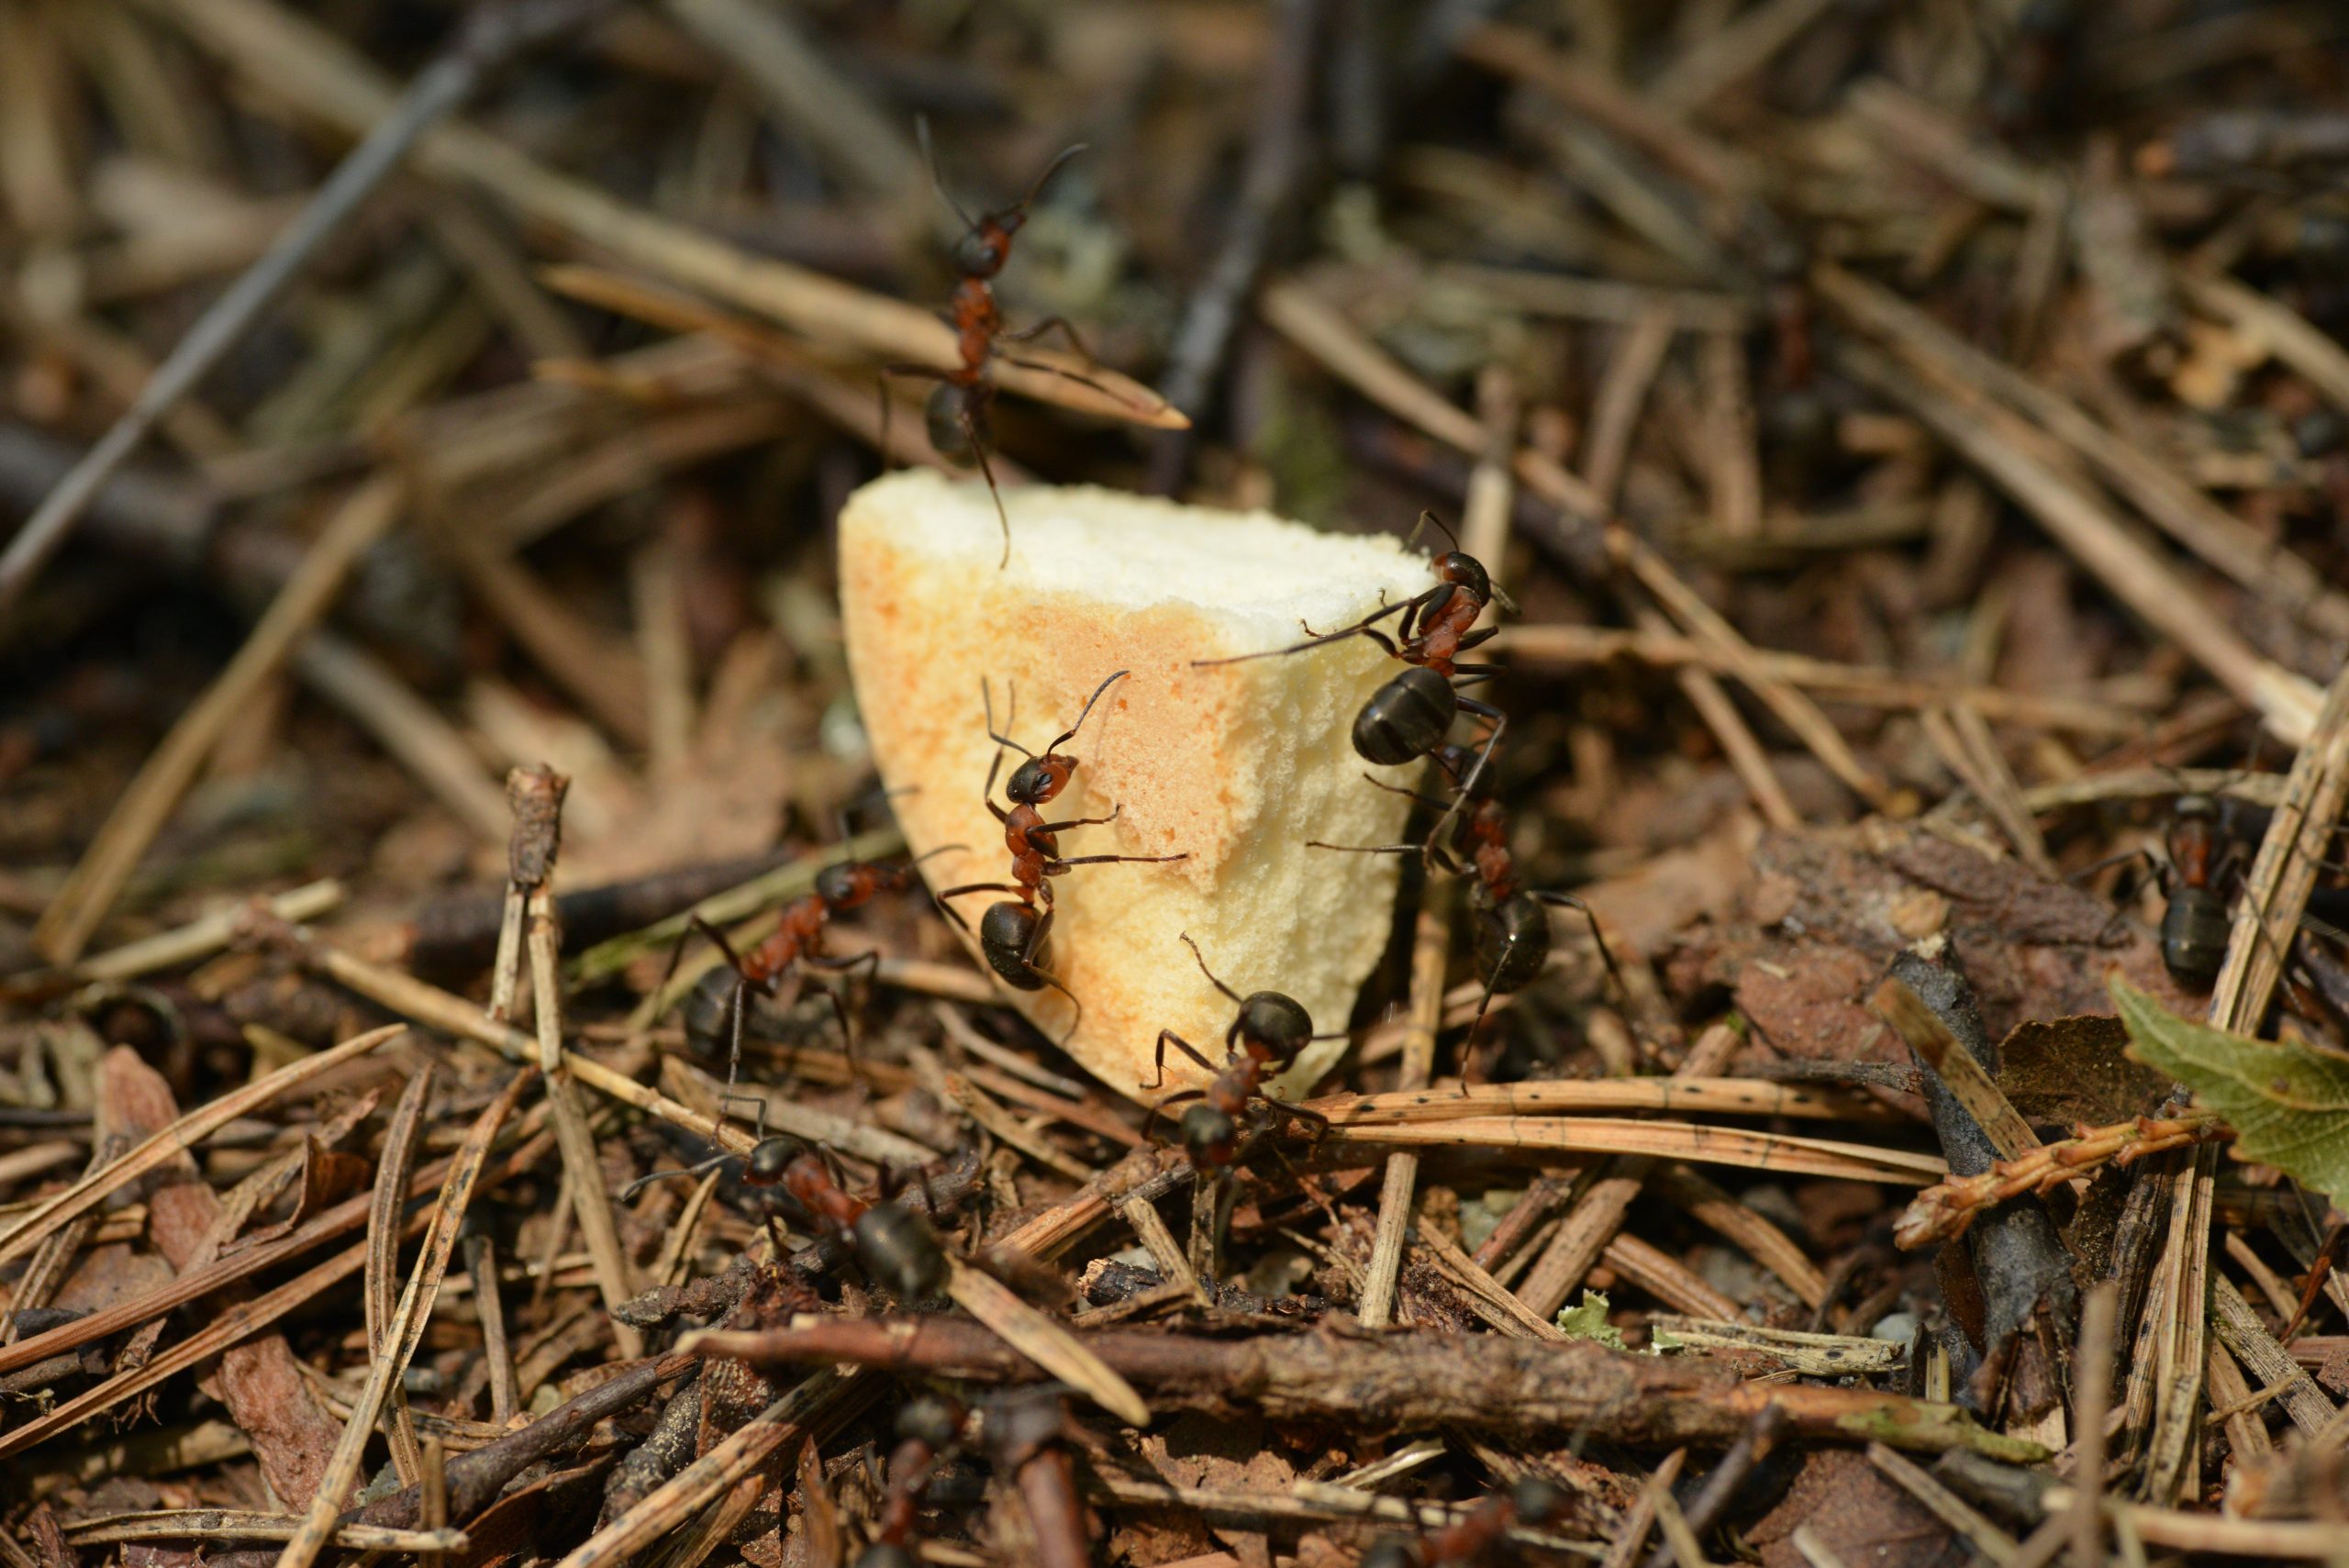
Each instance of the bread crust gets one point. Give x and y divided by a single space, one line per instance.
1234 767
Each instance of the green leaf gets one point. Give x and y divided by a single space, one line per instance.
2288 1101
1588 1321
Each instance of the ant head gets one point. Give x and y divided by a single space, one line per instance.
1536 1500
1039 779
844 884
1274 1024
932 1421
1466 571
1206 1128
769 1158
982 251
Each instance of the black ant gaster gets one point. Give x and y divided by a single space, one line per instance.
1269 1033
893 1244
958 411
1512 926
1408 716
1013 934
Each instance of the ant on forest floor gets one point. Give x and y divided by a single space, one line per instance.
1512 929
1408 716
929 1429
896 1246
959 412
1267 1034
1013 934
715 1006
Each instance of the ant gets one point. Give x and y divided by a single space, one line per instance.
1408 716
717 1004
926 1429
2196 927
958 414
1269 1033
1512 929
1012 934
1531 1501
892 1243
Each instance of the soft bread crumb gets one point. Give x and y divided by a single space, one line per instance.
1237 766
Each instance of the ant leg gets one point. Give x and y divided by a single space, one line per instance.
1079 822
1060 867
1030 334
1468 781
1477 639
986 471
845 967
1606 954
1359 629
1160 1060
1160 1109
954 915
1320 1124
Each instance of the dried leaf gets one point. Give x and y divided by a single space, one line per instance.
2076 1070
2287 1100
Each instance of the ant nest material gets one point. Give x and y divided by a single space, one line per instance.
1234 768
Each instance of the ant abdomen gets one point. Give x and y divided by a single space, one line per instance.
2195 929
898 1251
1005 931
1406 718
1512 943
953 418
1278 1023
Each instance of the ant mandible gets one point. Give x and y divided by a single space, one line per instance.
1012 935
1267 1034
958 415
1512 944
1408 716
927 1428
798 939
1531 1501
893 1244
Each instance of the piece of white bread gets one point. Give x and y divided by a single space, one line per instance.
1236 766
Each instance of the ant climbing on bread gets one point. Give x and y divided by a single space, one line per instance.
1410 717
1266 1036
1013 934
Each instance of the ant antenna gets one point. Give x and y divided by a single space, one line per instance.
1096 698
1011 694
1204 970
1038 188
627 1193
937 181
1427 516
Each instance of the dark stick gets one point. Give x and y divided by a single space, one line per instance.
460 932
1275 158
1397 1382
1721 1487
486 41
2016 1252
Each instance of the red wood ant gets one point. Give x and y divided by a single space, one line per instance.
1268 1033
2196 927
717 1003
958 414
1512 929
892 1243
1531 1501
1013 935
926 1429
1408 716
